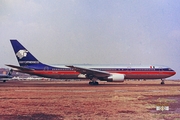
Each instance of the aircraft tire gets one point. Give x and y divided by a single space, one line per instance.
162 83
96 83
90 83
93 83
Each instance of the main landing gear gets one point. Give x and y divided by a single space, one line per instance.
162 82
93 83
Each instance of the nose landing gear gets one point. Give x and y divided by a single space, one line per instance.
162 82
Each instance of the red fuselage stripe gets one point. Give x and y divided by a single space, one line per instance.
120 72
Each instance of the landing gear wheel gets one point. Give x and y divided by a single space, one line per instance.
4 81
162 82
93 83
90 83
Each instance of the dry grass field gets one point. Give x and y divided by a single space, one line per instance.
60 100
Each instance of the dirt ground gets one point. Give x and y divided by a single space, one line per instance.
77 100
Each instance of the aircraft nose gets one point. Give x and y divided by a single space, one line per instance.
174 72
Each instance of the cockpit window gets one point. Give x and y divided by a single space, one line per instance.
170 69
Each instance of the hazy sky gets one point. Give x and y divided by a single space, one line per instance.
93 31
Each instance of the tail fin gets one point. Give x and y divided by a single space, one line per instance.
24 57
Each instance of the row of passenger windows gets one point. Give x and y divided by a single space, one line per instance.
109 69
130 69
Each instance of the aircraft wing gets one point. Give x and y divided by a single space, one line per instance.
19 68
88 71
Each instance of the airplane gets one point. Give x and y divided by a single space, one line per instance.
110 73
4 77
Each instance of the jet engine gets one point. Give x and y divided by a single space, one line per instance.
82 76
115 77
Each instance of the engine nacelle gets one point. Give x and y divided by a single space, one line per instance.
115 77
82 76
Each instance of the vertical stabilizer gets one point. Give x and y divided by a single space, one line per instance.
24 57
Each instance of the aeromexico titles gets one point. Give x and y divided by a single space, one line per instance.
111 73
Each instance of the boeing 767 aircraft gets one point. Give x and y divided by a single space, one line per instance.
111 73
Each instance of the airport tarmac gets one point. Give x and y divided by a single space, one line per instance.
77 100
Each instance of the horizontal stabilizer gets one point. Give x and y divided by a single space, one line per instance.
19 68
